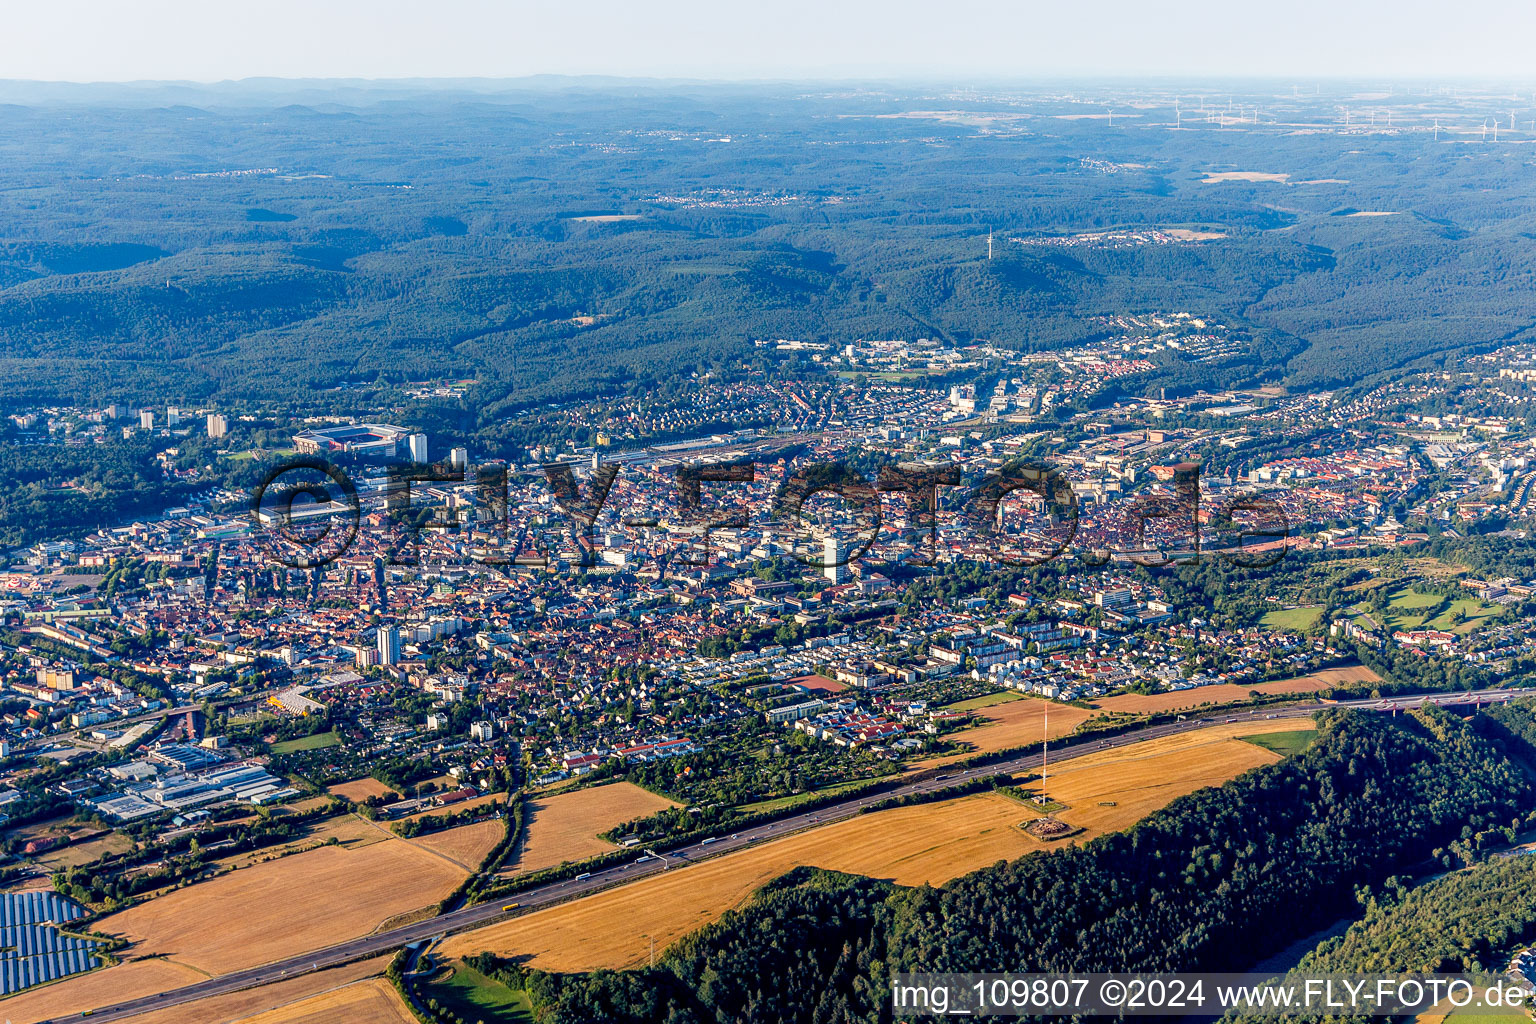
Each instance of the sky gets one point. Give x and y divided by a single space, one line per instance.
216 40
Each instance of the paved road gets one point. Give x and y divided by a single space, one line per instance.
561 892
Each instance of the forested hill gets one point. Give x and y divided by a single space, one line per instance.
1215 881
558 242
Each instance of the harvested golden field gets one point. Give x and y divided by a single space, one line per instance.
1012 724
564 827
349 830
248 916
1215 177
930 843
374 1001
359 790
99 988
467 844
278 998
1231 693
1116 788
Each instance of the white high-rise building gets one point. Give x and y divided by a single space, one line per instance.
458 458
389 645
172 416
218 426
147 419
416 444
834 557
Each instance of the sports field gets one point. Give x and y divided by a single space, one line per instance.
910 845
565 827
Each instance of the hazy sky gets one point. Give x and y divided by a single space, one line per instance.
212 40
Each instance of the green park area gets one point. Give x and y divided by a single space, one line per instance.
316 742
1284 743
1410 610
471 996
1291 620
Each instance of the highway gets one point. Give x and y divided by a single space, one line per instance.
560 892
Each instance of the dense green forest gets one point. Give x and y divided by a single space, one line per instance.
555 243
1215 881
1468 921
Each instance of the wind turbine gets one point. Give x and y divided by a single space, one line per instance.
1485 130
1437 129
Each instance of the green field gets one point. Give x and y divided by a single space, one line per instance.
1283 743
474 997
318 741
1292 620
984 701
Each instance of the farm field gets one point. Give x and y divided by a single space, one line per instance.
270 1003
565 826
359 790
98 988
352 832
1012 724
234 921
1113 789
1216 177
467 844
930 843
1228 693
373 1001
986 700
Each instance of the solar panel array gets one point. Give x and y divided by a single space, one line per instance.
31 950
